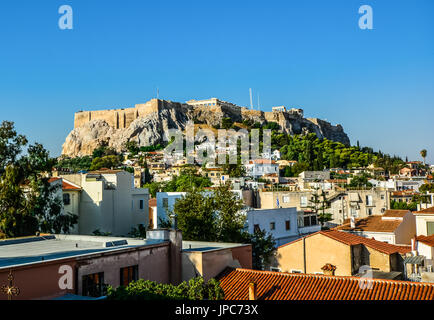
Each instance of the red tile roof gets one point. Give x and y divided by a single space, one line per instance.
291 286
395 213
352 239
426 211
428 240
371 223
65 185
153 202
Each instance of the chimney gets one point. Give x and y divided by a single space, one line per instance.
353 222
252 290
414 246
329 269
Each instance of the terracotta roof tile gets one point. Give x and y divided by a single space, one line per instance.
428 240
65 185
290 286
426 211
352 239
69 186
395 213
371 223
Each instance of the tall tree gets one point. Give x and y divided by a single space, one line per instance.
218 217
28 201
423 153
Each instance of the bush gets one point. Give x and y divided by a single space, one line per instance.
194 289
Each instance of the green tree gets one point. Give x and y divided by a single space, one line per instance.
427 187
360 181
218 217
194 289
138 232
319 204
196 216
132 147
423 153
263 248
109 162
229 218
28 201
227 123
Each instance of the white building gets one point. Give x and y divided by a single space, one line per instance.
257 168
284 224
105 200
425 222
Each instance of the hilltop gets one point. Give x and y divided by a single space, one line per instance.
149 122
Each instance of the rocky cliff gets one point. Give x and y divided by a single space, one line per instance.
148 123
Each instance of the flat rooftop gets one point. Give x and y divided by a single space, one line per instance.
22 251
203 246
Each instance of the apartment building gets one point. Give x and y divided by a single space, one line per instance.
105 200
346 252
284 224
394 226
53 266
358 203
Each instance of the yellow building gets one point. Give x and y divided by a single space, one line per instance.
346 252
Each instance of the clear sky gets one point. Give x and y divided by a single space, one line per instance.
379 84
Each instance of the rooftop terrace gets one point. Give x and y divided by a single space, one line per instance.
22 251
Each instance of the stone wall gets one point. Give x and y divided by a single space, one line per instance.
117 118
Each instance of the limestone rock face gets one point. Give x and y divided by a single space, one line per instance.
152 128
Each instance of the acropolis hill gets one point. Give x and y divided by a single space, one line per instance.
147 123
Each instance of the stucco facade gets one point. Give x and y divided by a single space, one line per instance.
208 259
108 202
310 254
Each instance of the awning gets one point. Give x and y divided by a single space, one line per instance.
414 260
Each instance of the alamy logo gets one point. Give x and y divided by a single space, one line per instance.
367 20
66 280
66 20
366 280
201 147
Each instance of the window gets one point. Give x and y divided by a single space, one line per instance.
369 201
369 211
295 271
256 228
66 199
93 285
313 220
382 197
166 203
128 274
141 204
287 225
285 199
272 225
303 201
275 269
306 221
429 228
354 212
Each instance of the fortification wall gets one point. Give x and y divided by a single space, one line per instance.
117 118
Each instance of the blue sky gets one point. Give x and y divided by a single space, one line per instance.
379 84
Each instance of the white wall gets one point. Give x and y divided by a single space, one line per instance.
263 217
